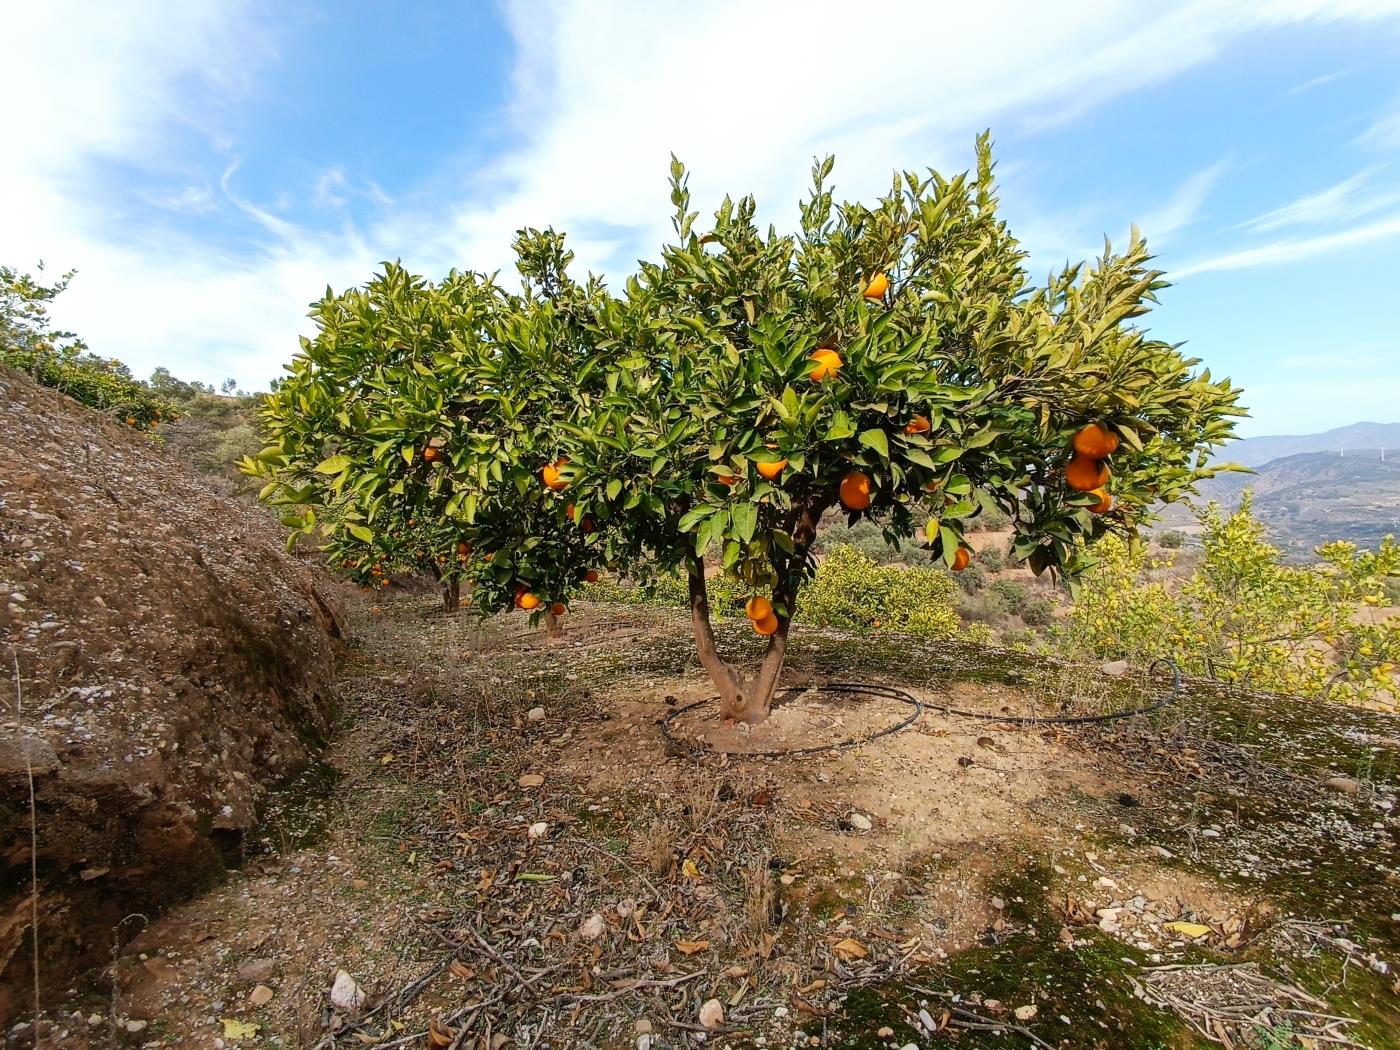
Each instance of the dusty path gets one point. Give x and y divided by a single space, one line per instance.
502 846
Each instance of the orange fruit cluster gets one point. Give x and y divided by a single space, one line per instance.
760 612
1087 471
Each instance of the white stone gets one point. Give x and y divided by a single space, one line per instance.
1027 1012
346 993
860 821
536 714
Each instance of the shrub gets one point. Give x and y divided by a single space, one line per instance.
972 579
991 559
987 607
993 519
1022 639
1014 594
866 537
851 590
1172 540
1038 612
1244 616
60 359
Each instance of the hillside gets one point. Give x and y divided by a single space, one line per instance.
167 662
1355 437
1310 498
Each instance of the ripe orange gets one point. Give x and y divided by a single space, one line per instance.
464 549
131 421
1085 474
766 626
962 559
855 490
569 512
917 425
1095 441
772 470
592 576
728 479
758 608
586 526
528 601
826 363
552 478
558 608
877 286
1105 502
431 454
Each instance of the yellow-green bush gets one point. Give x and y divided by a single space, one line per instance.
849 590
1243 616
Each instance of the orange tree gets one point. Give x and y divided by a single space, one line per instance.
891 362
408 431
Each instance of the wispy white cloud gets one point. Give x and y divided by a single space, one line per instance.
1294 249
1384 132
1184 205
602 92
1316 82
1343 202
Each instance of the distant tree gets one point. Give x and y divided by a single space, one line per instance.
61 360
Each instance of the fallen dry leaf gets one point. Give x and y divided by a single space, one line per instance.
460 970
689 869
531 780
439 1035
849 948
1192 930
239 1030
691 947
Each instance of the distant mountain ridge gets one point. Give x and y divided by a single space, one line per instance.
1348 440
1340 485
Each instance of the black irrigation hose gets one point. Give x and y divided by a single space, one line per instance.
890 693
882 691
1073 720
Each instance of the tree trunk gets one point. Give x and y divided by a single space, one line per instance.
742 699
451 593
553 625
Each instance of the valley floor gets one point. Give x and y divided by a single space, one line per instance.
503 850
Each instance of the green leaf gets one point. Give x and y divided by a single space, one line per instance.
614 488
360 533
694 516
745 517
841 427
876 439
333 464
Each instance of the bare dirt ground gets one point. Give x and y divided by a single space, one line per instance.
503 850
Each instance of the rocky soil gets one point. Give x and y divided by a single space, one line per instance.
503 851
165 663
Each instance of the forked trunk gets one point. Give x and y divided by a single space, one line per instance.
451 589
451 594
744 699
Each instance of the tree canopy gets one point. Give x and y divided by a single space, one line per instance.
892 360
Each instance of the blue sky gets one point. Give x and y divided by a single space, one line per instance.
209 167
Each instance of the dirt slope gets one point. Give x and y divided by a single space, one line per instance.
165 662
